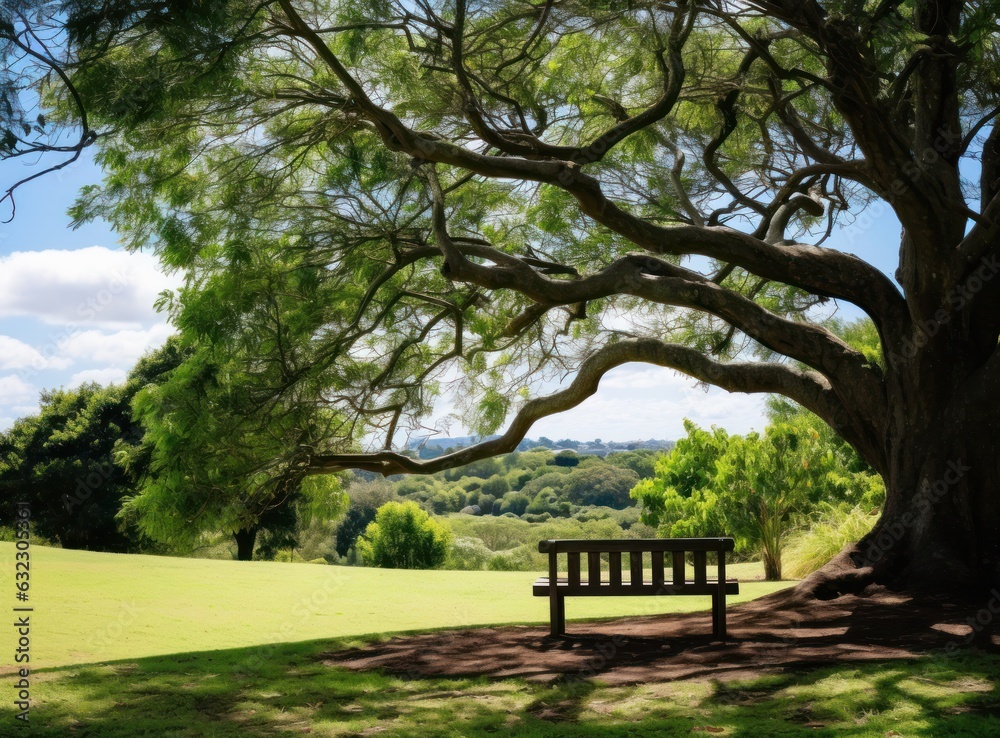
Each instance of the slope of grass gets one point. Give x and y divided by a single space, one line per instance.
288 690
95 606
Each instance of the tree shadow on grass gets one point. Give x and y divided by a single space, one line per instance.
287 689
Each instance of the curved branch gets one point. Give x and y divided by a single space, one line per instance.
661 282
807 388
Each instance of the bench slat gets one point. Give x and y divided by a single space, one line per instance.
615 568
573 568
678 567
638 544
635 564
594 568
657 568
647 588
700 567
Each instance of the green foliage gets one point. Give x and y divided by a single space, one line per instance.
522 558
604 485
497 486
365 500
642 461
80 457
683 482
756 488
511 544
230 470
484 469
762 482
566 458
515 503
403 536
832 528
468 554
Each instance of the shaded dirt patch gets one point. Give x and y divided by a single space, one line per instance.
780 632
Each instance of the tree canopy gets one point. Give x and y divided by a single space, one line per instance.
370 198
80 457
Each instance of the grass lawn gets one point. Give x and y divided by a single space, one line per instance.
97 607
246 645
287 690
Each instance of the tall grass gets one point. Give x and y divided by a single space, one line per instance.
809 549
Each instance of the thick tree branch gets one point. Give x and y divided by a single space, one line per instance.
808 388
825 272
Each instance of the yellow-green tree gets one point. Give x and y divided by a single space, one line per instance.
404 536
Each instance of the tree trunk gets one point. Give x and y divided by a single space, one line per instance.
245 540
772 567
940 528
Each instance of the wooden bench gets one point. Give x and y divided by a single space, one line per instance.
635 583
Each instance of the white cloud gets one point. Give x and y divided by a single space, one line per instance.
15 354
639 402
119 349
96 286
14 390
110 375
622 416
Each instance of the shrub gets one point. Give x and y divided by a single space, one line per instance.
516 503
566 458
809 549
536 517
404 536
496 485
366 499
522 558
469 554
547 501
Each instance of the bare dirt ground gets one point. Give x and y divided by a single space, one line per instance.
780 632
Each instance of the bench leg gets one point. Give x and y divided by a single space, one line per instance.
719 617
557 615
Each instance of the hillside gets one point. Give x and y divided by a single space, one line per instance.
431 446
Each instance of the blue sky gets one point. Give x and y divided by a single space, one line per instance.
75 307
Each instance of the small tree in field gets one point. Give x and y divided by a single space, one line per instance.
403 536
763 481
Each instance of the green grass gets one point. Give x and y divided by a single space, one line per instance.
288 690
227 676
96 607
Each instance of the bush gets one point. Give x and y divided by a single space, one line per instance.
404 536
522 558
536 517
810 549
566 458
547 501
469 554
516 503
366 499
496 485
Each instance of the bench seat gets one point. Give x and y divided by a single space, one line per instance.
626 589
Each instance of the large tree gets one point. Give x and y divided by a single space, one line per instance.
79 457
500 189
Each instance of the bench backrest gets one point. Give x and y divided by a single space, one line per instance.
635 548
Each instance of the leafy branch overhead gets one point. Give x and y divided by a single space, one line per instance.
375 201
